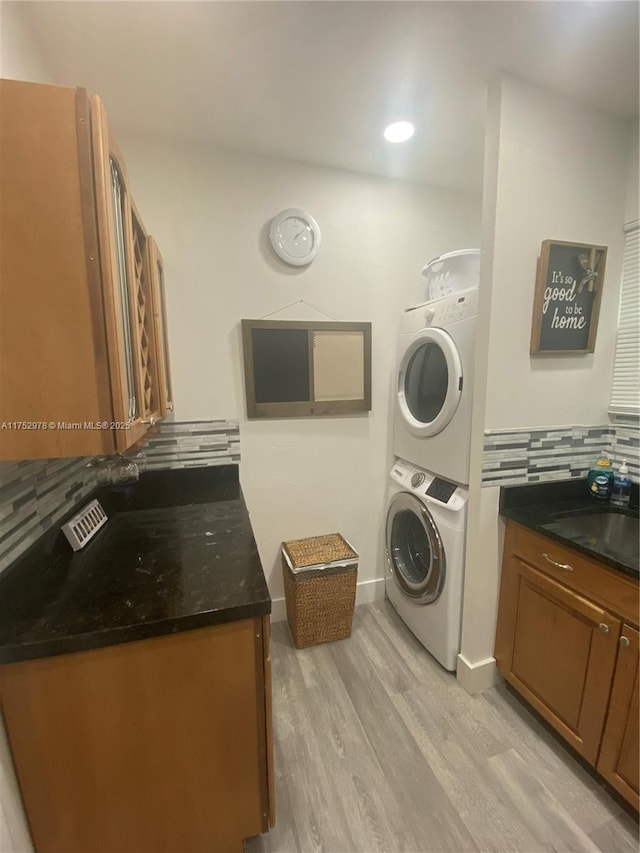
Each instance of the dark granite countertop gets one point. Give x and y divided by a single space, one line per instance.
554 509
177 553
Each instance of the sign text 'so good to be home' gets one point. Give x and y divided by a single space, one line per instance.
567 299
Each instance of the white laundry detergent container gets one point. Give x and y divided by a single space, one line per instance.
452 273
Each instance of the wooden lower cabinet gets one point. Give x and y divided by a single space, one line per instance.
562 643
618 761
155 746
561 661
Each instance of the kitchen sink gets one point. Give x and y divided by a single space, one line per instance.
612 532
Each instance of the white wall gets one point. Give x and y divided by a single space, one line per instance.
561 175
476 669
631 208
210 210
554 170
21 56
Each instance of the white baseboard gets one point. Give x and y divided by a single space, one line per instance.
366 593
476 677
370 591
278 610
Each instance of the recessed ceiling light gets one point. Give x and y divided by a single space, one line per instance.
399 131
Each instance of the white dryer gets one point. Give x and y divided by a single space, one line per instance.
424 546
434 385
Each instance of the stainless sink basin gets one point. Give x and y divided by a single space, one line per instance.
611 532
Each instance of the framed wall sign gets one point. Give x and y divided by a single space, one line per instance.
301 369
567 300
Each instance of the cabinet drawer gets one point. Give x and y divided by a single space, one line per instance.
612 589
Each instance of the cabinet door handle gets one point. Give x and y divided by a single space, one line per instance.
624 641
564 566
150 421
604 628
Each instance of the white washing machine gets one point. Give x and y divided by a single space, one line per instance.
424 545
434 385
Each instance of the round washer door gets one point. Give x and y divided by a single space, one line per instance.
414 549
429 382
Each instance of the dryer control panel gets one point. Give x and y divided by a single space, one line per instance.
451 309
448 310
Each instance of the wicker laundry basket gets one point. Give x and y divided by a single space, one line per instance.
320 576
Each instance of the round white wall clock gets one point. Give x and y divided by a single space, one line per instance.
295 236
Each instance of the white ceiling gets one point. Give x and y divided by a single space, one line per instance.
318 81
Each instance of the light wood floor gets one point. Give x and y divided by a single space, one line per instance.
377 748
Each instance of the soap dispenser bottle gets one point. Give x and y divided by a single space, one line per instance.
621 489
600 480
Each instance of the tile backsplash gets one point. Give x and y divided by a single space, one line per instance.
625 444
556 453
36 493
194 444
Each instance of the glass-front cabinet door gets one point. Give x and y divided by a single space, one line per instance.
142 317
156 271
126 291
123 287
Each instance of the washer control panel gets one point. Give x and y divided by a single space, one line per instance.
428 486
441 490
401 471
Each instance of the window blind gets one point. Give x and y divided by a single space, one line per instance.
625 393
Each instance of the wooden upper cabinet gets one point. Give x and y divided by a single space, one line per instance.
78 351
156 271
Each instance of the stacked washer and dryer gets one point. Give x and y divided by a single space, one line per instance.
427 509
